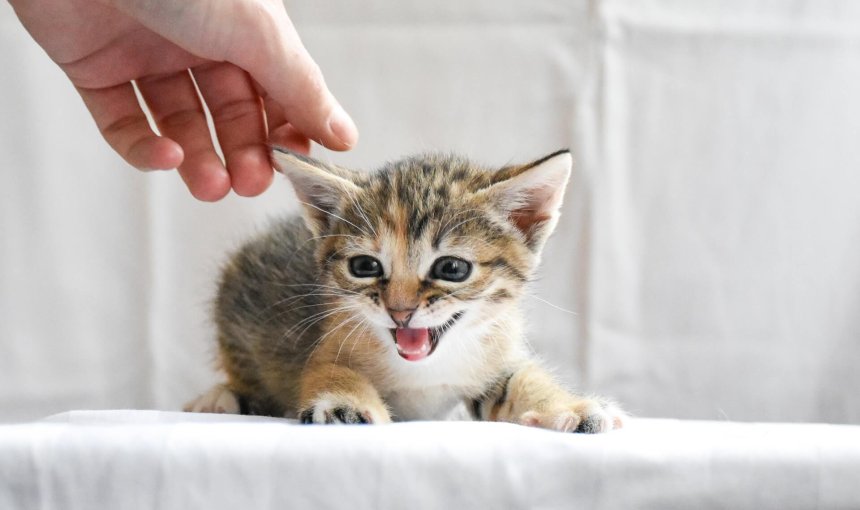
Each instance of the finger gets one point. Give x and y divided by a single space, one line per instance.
278 60
275 117
124 126
289 137
260 38
281 133
237 114
177 111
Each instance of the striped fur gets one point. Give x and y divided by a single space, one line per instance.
301 336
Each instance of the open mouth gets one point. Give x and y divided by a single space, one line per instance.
414 344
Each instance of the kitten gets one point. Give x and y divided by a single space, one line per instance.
396 297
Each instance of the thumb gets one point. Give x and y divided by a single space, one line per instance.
279 62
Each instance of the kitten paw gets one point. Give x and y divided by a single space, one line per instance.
219 400
587 416
331 409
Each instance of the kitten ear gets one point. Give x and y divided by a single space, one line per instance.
531 195
318 185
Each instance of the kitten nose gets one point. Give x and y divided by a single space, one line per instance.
401 317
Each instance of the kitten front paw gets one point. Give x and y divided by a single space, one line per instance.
587 416
332 409
219 399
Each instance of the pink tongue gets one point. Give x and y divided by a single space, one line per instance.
413 344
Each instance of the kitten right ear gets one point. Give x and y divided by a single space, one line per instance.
319 186
531 195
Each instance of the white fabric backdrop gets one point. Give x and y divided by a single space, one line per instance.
709 244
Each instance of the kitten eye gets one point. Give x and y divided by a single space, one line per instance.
365 266
451 269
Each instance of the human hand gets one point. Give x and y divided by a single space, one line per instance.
255 76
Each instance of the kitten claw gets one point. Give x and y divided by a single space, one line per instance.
329 410
584 417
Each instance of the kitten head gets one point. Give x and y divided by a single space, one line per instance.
429 245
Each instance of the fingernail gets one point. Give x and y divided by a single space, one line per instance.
342 126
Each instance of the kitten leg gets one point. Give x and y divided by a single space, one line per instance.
219 399
337 394
530 396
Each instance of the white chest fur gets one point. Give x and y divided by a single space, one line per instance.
460 368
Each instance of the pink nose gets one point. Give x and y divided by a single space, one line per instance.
401 317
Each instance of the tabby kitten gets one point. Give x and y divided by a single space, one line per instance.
396 298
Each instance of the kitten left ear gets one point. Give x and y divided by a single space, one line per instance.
531 195
319 186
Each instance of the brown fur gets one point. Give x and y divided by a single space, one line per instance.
299 335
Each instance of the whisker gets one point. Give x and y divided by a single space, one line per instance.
316 345
363 337
458 214
335 216
299 248
316 342
467 220
323 287
550 304
315 318
352 198
260 315
345 339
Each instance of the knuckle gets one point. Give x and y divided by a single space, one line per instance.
122 124
236 110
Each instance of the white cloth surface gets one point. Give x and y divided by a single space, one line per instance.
137 459
707 253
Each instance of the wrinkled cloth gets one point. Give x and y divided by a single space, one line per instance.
91 460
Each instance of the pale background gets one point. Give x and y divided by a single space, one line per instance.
710 243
